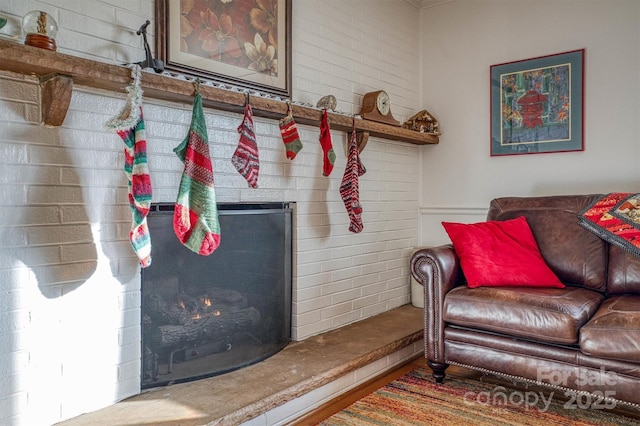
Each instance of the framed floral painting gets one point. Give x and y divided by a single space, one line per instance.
537 105
242 43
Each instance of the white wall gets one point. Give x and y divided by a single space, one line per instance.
69 281
462 39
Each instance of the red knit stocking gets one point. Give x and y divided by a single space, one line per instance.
328 155
350 187
245 158
290 136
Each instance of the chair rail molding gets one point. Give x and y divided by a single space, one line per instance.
453 211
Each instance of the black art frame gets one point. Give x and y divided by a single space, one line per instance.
537 105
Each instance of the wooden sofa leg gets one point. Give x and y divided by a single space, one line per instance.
438 370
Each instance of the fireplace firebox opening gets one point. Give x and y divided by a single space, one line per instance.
208 315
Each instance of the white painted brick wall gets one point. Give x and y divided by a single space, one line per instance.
348 48
69 281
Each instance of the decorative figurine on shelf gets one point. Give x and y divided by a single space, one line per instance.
327 102
40 29
423 122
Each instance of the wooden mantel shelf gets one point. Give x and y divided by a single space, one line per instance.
58 73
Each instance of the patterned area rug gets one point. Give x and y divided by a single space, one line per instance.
414 399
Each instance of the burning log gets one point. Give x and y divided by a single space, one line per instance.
185 309
185 321
217 325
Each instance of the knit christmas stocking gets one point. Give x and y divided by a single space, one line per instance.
129 124
328 155
290 137
195 216
349 188
245 158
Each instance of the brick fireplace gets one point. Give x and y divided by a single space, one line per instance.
70 314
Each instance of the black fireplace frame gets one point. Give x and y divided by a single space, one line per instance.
282 336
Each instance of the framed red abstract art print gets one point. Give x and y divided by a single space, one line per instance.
242 43
537 105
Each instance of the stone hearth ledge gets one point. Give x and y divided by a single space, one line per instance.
241 395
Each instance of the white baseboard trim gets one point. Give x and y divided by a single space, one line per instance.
298 407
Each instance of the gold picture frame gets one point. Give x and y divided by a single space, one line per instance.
241 43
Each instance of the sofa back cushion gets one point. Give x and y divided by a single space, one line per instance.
624 272
575 255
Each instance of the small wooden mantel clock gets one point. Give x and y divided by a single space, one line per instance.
376 106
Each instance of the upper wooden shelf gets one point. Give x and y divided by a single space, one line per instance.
58 73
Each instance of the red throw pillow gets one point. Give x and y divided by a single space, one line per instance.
500 253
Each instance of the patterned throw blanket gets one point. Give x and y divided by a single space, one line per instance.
615 218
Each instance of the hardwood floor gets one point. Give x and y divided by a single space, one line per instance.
343 401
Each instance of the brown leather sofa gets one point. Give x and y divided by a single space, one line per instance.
584 337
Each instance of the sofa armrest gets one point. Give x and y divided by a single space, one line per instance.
437 269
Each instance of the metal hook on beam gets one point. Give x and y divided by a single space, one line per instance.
149 61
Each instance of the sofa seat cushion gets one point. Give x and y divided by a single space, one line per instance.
551 315
614 330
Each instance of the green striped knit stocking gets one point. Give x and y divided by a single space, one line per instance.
195 217
129 125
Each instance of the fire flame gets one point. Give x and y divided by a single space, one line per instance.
216 313
207 301
181 304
